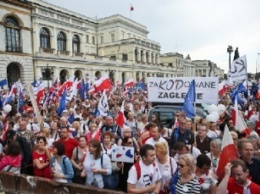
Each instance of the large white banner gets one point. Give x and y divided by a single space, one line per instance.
174 89
238 70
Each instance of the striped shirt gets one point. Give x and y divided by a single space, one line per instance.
191 187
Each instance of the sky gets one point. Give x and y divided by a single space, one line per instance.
201 28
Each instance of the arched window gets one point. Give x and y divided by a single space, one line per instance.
75 44
61 41
12 35
45 41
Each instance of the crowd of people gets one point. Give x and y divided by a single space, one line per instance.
182 157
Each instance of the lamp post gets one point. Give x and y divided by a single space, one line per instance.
229 50
48 73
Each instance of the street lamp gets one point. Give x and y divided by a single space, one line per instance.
47 72
229 50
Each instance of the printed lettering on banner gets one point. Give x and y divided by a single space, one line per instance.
174 90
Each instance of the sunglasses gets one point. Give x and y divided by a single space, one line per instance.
130 142
181 165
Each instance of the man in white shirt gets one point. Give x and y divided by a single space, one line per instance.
144 176
156 136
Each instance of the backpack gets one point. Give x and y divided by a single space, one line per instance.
138 169
110 181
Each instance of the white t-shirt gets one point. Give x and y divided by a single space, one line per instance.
167 170
149 175
152 142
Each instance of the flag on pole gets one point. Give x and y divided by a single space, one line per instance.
62 104
228 153
120 120
102 84
189 100
237 118
103 104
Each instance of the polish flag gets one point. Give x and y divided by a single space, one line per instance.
237 118
120 120
78 84
222 88
39 91
67 84
97 134
129 83
102 84
228 153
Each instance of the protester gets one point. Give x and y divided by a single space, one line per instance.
156 136
246 150
78 156
214 154
182 134
41 159
187 181
68 142
202 140
94 166
11 162
133 124
144 176
125 167
205 176
61 166
238 182
167 166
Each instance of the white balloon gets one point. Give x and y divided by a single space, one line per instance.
7 108
212 108
216 115
211 118
221 109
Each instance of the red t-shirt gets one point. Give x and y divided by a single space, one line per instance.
234 188
45 172
69 146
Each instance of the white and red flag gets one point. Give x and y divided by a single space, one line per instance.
120 120
222 88
129 83
237 118
228 153
102 84
67 84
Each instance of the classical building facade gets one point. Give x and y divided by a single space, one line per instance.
44 40
16 41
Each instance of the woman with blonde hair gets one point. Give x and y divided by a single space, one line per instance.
76 126
187 181
167 166
46 132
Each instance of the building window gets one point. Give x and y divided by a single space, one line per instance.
101 40
75 44
93 40
61 41
113 58
170 64
112 37
45 38
87 38
12 35
124 57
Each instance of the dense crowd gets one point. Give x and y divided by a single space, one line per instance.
182 157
